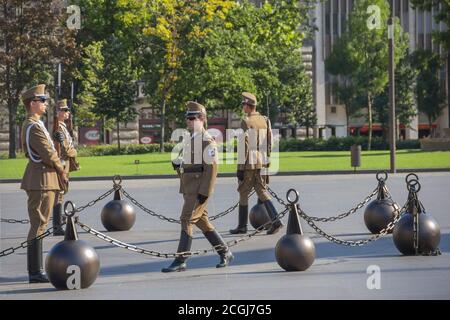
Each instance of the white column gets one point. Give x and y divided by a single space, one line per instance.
413 132
319 67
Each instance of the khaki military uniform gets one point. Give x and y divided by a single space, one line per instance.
198 172
40 179
67 151
258 137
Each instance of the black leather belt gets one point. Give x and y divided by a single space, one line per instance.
191 169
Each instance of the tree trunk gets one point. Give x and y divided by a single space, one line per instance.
118 134
369 106
163 125
307 132
430 123
12 110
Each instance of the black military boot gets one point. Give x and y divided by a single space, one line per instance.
34 261
243 218
58 220
179 264
225 254
276 224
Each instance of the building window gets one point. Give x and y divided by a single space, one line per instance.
333 109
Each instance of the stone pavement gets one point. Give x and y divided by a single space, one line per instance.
338 272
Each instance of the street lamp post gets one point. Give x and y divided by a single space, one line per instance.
392 120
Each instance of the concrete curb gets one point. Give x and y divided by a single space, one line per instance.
232 174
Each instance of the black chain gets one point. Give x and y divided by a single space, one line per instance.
334 218
138 249
25 244
398 214
24 221
172 220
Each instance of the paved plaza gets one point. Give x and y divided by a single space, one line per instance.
339 272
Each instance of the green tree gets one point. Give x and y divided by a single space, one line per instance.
110 82
361 54
405 106
442 14
430 96
33 38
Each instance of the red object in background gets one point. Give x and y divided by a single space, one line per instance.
89 135
216 129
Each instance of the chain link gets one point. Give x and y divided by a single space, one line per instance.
26 243
93 202
172 220
24 221
141 250
398 214
334 218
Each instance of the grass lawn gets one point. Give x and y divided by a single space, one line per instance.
154 163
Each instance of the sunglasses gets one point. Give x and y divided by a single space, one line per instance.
43 100
192 118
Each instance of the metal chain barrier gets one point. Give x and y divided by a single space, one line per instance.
358 243
172 220
49 231
141 250
334 218
25 244
24 221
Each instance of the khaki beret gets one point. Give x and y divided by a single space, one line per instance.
248 98
34 92
194 108
62 105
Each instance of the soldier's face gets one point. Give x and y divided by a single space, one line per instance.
39 106
194 124
63 115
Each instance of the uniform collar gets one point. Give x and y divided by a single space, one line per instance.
34 117
62 124
197 133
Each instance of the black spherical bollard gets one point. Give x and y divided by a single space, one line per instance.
258 216
72 263
429 234
381 211
294 251
118 215
416 229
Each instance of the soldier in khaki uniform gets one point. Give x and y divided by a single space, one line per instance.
198 172
258 139
40 180
67 156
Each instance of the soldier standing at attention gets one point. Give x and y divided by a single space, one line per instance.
67 155
198 172
257 129
40 180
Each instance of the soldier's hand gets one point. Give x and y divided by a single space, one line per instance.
240 175
175 165
58 136
65 177
201 198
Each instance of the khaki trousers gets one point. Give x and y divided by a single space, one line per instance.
252 179
194 213
40 206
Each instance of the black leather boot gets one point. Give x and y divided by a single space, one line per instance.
243 218
276 224
225 254
57 220
34 262
179 264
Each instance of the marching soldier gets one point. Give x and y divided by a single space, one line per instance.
67 154
42 179
257 129
197 171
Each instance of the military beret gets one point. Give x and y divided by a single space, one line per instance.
34 92
194 108
248 98
62 104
